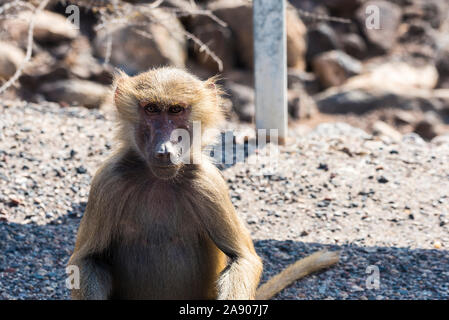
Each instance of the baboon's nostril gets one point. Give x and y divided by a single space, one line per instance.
163 151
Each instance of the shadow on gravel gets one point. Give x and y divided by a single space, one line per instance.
33 260
232 153
404 273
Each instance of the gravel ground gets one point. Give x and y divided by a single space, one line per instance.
384 204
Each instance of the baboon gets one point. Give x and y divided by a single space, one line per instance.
156 227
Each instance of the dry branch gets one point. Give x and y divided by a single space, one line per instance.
29 50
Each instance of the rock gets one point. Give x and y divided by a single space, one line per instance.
333 68
362 100
437 244
301 79
432 11
382 179
340 100
42 68
157 43
242 98
354 45
81 63
242 77
49 27
413 138
441 140
418 38
76 92
403 118
336 130
396 76
428 128
220 41
237 14
344 8
321 38
425 129
384 36
296 43
442 65
10 59
300 104
383 129
239 18
78 62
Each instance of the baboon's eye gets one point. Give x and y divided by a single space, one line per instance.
152 108
175 109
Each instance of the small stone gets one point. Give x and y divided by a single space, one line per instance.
304 233
323 166
81 170
382 179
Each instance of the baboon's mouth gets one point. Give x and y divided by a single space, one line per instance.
165 172
165 167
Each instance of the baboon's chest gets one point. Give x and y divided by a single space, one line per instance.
166 265
164 253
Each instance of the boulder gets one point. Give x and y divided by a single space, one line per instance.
342 8
354 45
381 128
433 11
300 104
219 40
81 63
365 99
49 27
441 140
158 42
442 64
301 79
75 92
44 67
333 68
430 126
321 38
403 118
418 38
242 98
296 42
395 74
392 83
425 129
10 59
238 16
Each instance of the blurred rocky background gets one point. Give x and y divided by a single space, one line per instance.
388 81
382 199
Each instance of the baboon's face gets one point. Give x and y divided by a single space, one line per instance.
157 110
159 136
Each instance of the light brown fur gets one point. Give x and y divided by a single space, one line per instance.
147 237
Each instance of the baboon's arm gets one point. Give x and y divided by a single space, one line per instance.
240 278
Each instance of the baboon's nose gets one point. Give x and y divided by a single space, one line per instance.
164 151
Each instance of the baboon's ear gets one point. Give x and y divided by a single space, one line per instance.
211 83
119 79
215 89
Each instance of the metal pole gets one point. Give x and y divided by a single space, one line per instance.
270 66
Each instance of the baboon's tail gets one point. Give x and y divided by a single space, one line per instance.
301 268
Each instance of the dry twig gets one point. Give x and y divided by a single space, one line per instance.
29 50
